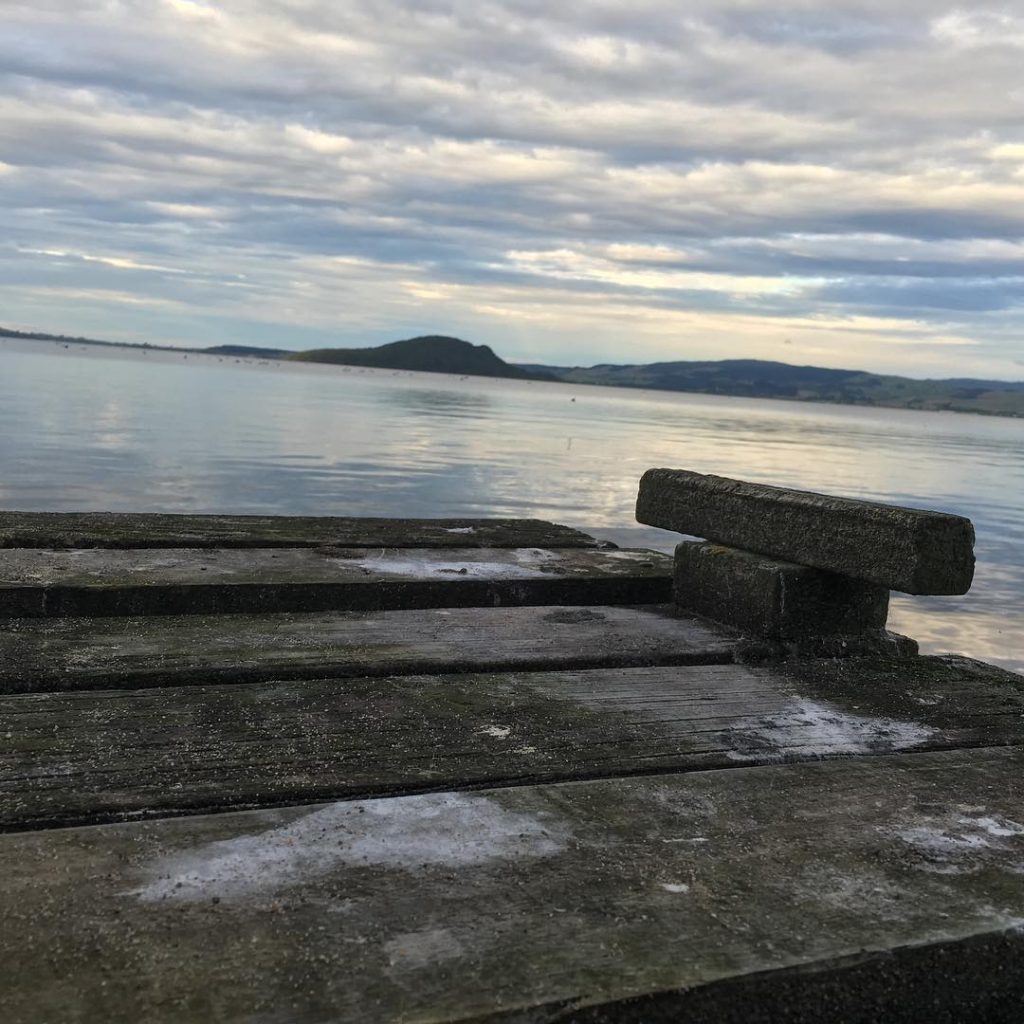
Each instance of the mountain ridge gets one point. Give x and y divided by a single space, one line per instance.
742 378
428 353
757 378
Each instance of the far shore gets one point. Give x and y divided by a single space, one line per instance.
256 356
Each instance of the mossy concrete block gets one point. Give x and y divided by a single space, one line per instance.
905 549
874 643
769 598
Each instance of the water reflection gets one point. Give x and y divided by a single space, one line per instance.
89 429
442 404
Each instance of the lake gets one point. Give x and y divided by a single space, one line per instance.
87 428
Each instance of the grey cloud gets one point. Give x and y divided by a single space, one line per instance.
898 297
254 144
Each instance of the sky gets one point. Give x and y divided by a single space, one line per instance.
835 182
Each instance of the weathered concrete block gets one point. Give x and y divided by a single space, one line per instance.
912 550
769 598
876 643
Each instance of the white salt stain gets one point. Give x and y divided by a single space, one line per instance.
995 826
429 568
820 729
675 887
936 840
499 732
518 563
404 833
961 844
643 557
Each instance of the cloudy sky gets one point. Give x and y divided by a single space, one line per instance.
838 182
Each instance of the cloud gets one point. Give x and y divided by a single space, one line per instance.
119 262
307 172
570 265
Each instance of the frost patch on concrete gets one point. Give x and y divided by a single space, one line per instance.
812 728
514 563
627 555
451 568
962 844
995 826
404 833
499 732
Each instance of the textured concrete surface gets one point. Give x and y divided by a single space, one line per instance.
547 902
71 758
198 650
161 530
190 581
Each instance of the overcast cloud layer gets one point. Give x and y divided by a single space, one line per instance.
838 182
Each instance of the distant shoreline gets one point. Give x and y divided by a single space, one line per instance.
1003 399
68 340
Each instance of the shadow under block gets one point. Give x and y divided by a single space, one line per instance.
910 550
779 600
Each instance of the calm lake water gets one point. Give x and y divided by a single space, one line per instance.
88 429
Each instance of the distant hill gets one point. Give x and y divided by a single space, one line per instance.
431 353
752 378
757 378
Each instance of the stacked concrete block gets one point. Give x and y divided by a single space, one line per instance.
788 565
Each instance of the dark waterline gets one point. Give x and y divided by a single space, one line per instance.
121 429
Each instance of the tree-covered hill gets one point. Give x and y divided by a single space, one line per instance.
751 378
432 353
756 378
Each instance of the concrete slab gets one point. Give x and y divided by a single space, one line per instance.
648 899
910 550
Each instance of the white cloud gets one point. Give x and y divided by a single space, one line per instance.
97 295
186 211
725 166
566 264
980 28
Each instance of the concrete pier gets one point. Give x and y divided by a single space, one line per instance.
484 772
